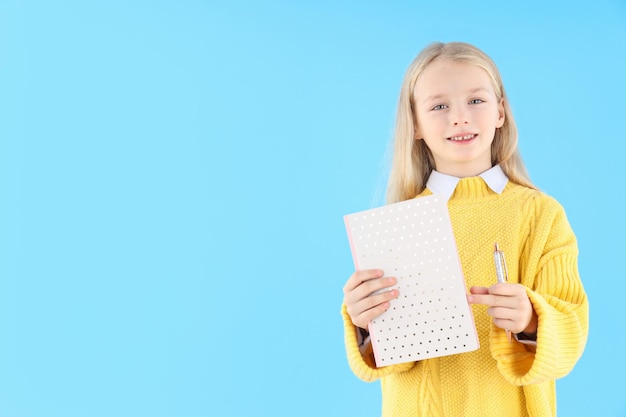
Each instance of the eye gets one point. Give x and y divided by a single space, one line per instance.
476 101
439 107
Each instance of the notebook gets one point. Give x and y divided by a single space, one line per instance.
413 241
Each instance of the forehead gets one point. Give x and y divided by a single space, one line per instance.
444 78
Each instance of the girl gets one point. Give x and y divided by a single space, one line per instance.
455 136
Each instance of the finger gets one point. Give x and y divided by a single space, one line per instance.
359 277
376 299
371 307
501 294
505 324
363 319
491 300
483 299
367 288
369 294
518 318
507 289
479 290
501 317
502 313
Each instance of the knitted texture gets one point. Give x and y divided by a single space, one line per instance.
500 378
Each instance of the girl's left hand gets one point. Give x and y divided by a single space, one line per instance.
508 305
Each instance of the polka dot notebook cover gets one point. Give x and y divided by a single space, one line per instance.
413 241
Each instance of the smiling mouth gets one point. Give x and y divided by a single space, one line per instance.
462 138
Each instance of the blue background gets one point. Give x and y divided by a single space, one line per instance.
173 176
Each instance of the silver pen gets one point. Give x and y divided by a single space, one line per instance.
502 273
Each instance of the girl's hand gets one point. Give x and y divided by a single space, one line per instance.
361 304
508 305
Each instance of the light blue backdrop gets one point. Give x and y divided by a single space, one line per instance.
173 176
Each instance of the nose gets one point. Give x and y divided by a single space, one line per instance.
459 116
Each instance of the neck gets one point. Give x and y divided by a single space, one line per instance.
464 170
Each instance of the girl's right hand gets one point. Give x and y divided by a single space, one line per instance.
358 295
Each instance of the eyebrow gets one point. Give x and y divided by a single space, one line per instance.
439 96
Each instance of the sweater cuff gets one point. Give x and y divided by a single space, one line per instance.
557 347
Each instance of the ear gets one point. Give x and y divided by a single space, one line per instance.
501 115
417 135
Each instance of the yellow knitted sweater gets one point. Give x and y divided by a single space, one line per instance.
499 379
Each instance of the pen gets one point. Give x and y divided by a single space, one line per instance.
502 273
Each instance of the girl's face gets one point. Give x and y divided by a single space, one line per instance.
457 113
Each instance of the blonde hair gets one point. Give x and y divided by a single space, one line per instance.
412 161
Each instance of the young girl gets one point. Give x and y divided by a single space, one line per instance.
455 136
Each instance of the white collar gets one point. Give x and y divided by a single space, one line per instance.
444 184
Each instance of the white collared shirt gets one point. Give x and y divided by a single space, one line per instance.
444 184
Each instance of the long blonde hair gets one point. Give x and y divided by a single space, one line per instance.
412 161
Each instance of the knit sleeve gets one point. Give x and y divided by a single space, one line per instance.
362 364
558 297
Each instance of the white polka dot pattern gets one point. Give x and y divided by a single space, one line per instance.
413 241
